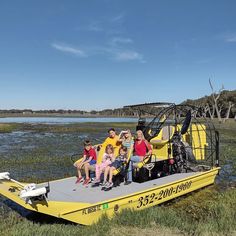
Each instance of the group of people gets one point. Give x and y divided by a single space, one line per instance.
124 142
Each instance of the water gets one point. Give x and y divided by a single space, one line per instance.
20 143
65 120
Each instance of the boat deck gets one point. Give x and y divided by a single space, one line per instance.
66 190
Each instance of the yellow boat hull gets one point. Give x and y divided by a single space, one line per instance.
87 213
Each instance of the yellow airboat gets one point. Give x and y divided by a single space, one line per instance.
185 158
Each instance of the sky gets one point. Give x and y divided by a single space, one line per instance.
98 54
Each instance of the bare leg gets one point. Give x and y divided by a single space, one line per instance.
86 168
98 171
79 172
111 174
106 173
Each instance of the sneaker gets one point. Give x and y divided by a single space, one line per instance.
103 185
127 182
109 185
86 182
96 183
79 180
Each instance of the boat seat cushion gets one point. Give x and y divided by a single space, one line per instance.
164 136
142 163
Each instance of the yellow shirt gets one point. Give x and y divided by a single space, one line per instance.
113 141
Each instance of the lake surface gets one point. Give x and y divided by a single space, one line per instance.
65 120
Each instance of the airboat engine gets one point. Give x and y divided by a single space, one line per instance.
182 153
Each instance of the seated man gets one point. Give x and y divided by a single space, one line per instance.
141 149
87 163
112 139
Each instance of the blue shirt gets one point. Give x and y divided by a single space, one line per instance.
128 144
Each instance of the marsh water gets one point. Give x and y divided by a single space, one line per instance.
57 136
65 120
39 150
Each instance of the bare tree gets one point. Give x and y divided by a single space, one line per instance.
210 111
228 111
216 97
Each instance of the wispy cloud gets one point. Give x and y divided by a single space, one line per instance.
118 18
121 54
204 61
230 38
120 40
69 49
117 47
129 56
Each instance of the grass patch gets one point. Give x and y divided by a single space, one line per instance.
207 212
7 128
90 127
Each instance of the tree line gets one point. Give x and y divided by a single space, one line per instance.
220 104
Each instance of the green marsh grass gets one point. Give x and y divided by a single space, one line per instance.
214 214
210 211
7 128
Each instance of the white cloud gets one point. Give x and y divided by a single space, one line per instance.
231 39
129 56
204 61
118 18
228 37
118 40
116 49
69 49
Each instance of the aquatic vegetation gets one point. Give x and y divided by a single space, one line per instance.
48 157
6 128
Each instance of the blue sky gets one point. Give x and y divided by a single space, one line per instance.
106 54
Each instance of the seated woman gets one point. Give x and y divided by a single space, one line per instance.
141 149
119 161
88 162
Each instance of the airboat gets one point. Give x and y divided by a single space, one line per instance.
185 158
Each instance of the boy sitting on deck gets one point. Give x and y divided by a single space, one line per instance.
88 163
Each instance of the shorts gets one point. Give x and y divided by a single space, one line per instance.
92 162
116 164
